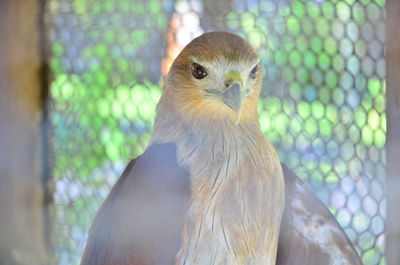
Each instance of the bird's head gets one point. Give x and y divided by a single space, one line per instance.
216 76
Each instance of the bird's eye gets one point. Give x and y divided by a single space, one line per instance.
198 71
253 73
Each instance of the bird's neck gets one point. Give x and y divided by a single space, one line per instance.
175 123
237 190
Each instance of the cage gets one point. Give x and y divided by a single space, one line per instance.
322 103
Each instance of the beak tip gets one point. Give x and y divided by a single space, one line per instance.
233 98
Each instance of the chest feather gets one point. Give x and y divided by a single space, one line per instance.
236 203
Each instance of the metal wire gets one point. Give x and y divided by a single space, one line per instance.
322 105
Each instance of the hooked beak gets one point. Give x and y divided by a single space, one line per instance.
233 98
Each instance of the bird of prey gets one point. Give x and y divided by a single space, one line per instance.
209 188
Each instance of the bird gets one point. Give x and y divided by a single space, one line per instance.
210 188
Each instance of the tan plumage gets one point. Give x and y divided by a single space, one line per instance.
209 189
236 178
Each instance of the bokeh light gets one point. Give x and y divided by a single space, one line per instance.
322 103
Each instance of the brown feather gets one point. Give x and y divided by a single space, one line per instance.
237 189
183 98
310 234
233 212
140 222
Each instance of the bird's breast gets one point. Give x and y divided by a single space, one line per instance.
236 202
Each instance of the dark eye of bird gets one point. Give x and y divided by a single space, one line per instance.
198 71
253 73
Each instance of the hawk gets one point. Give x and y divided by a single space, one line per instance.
209 188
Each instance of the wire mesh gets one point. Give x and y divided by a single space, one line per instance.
322 105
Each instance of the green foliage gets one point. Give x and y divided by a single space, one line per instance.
102 118
104 102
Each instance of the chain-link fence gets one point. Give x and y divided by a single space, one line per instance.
322 105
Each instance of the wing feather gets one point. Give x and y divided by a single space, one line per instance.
140 223
310 234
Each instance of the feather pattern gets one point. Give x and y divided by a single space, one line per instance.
129 228
310 234
236 191
209 189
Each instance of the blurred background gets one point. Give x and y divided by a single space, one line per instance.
322 103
